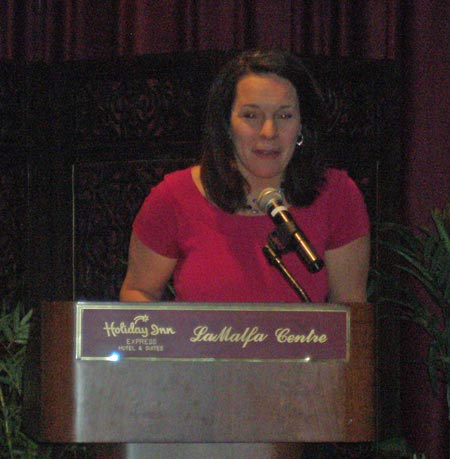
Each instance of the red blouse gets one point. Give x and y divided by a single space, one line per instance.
220 256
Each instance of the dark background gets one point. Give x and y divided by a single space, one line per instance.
98 99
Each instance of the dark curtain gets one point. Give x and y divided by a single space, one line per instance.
425 51
363 28
59 30
415 33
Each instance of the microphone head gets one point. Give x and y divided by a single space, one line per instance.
268 196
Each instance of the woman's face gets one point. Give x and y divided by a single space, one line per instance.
265 124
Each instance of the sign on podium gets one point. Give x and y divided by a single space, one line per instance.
107 372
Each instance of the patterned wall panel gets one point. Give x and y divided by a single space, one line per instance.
12 109
14 248
10 113
159 97
133 110
107 196
364 102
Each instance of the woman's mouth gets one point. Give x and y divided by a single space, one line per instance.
266 152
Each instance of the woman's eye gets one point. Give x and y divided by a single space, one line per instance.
285 116
250 115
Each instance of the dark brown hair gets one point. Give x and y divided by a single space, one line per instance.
223 182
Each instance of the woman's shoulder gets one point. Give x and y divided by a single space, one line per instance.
171 188
174 183
179 188
334 175
338 180
178 177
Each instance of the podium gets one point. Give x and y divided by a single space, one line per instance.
181 402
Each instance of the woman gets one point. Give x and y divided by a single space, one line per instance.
202 227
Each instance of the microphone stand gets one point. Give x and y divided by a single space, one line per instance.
273 255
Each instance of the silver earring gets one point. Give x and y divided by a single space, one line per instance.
300 140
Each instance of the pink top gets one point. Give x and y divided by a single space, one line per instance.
220 256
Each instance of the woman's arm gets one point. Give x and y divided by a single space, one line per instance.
147 273
348 268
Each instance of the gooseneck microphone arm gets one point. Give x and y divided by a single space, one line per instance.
274 258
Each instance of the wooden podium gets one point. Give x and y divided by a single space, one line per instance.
184 402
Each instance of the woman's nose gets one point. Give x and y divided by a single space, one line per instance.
269 128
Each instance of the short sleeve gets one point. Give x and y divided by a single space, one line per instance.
347 212
155 224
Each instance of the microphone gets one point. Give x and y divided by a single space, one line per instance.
270 201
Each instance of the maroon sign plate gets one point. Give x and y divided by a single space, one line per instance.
190 331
